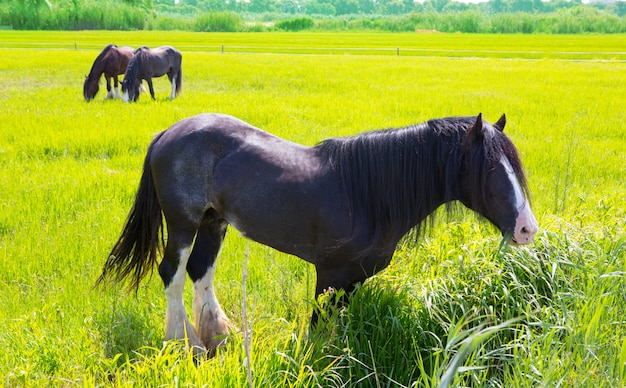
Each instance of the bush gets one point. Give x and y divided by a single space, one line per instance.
170 23
90 17
218 22
124 17
297 24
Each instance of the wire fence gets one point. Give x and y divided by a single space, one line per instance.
613 56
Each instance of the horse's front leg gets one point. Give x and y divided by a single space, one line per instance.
346 277
330 280
109 92
211 322
173 273
116 90
149 81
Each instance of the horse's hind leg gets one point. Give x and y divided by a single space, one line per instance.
173 273
210 320
172 79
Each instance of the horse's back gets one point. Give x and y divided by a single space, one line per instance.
219 137
126 51
169 52
160 60
271 190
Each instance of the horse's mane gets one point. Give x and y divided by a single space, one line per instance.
394 178
99 58
135 64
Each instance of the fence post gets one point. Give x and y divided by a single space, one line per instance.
222 49
398 51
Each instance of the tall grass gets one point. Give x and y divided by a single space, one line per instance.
218 22
135 15
451 310
79 15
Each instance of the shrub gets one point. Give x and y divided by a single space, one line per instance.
171 22
218 22
297 24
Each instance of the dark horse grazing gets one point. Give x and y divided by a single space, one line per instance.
112 61
342 205
147 63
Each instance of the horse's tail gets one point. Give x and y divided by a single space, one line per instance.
135 252
179 80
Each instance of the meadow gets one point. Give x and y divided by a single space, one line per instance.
453 309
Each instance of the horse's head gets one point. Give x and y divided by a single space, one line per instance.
132 81
130 89
90 88
493 182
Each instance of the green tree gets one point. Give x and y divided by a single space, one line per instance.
437 5
496 6
394 7
260 6
215 5
367 6
146 5
346 7
314 7
289 6
620 8
522 5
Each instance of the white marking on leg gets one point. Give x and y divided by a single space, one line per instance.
173 94
177 324
525 225
126 96
211 322
117 93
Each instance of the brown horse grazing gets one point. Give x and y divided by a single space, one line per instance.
147 63
341 205
112 61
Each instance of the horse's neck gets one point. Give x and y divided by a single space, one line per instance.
429 167
97 69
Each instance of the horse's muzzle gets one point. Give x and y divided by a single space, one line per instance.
525 226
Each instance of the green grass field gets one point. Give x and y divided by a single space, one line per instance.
450 310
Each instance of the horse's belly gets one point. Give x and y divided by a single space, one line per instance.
295 233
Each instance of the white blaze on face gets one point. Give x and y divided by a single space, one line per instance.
126 96
525 225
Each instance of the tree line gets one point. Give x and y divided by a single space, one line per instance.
493 16
380 7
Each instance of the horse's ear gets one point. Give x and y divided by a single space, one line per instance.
476 132
499 125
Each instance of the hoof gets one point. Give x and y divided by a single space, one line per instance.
214 331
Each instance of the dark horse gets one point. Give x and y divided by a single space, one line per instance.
147 63
112 61
342 205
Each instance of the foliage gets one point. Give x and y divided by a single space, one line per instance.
494 16
297 24
75 15
218 22
167 22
